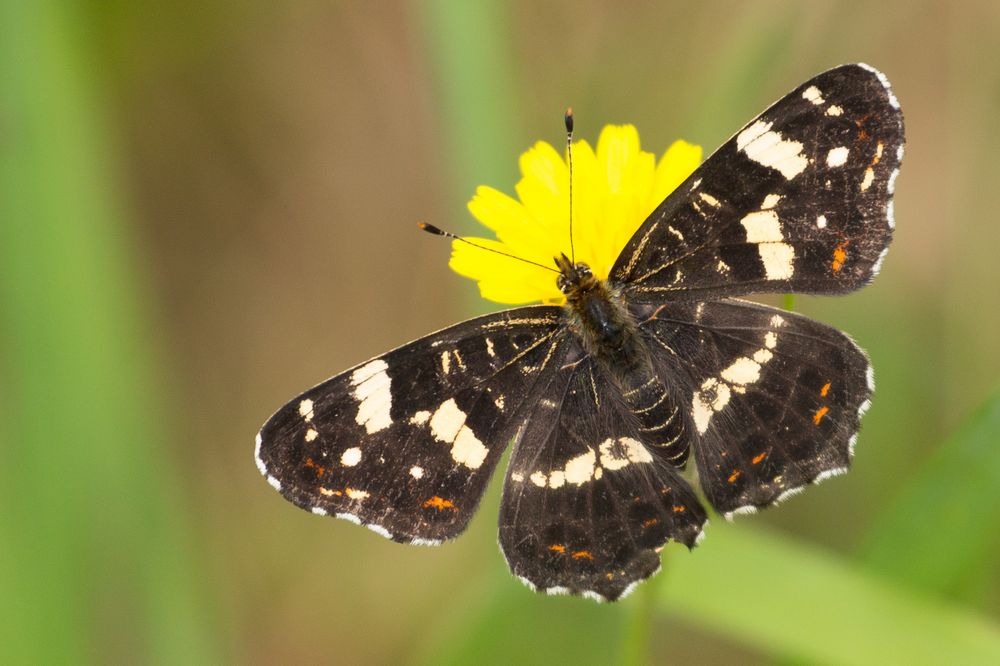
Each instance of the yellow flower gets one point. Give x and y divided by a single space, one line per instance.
614 190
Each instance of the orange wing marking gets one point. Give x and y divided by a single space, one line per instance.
839 257
320 470
820 413
439 503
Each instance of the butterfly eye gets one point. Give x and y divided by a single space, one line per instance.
563 283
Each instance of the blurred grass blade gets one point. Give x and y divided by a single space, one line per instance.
470 51
96 559
505 623
780 597
943 532
469 43
797 601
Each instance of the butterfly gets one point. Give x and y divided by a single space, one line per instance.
606 399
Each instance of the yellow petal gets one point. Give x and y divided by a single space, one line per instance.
679 162
502 279
513 222
615 187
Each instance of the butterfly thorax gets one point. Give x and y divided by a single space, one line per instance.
596 312
598 315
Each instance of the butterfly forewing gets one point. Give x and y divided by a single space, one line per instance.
406 443
799 200
586 505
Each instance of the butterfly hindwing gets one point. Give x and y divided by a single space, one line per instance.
586 506
406 443
775 398
799 200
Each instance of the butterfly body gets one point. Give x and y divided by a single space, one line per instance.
606 398
598 315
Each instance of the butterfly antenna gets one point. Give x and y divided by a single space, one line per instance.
431 229
569 153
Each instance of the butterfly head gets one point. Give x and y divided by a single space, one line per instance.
574 279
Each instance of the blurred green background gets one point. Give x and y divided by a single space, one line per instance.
206 207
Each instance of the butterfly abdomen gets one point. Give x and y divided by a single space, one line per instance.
608 333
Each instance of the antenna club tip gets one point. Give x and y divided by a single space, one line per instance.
429 228
568 118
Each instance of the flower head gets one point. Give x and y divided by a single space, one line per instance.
614 189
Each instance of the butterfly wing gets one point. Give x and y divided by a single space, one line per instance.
586 507
799 200
775 398
406 442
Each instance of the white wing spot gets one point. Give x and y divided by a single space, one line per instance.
350 457
539 479
319 511
770 201
709 199
762 227
821 221
676 233
580 469
420 418
742 371
813 94
770 149
311 435
467 449
869 177
714 394
557 479
489 348
834 110
448 426
778 260
373 391
356 494
713 397
306 409
447 420
445 362
837 156
618 454
417 472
